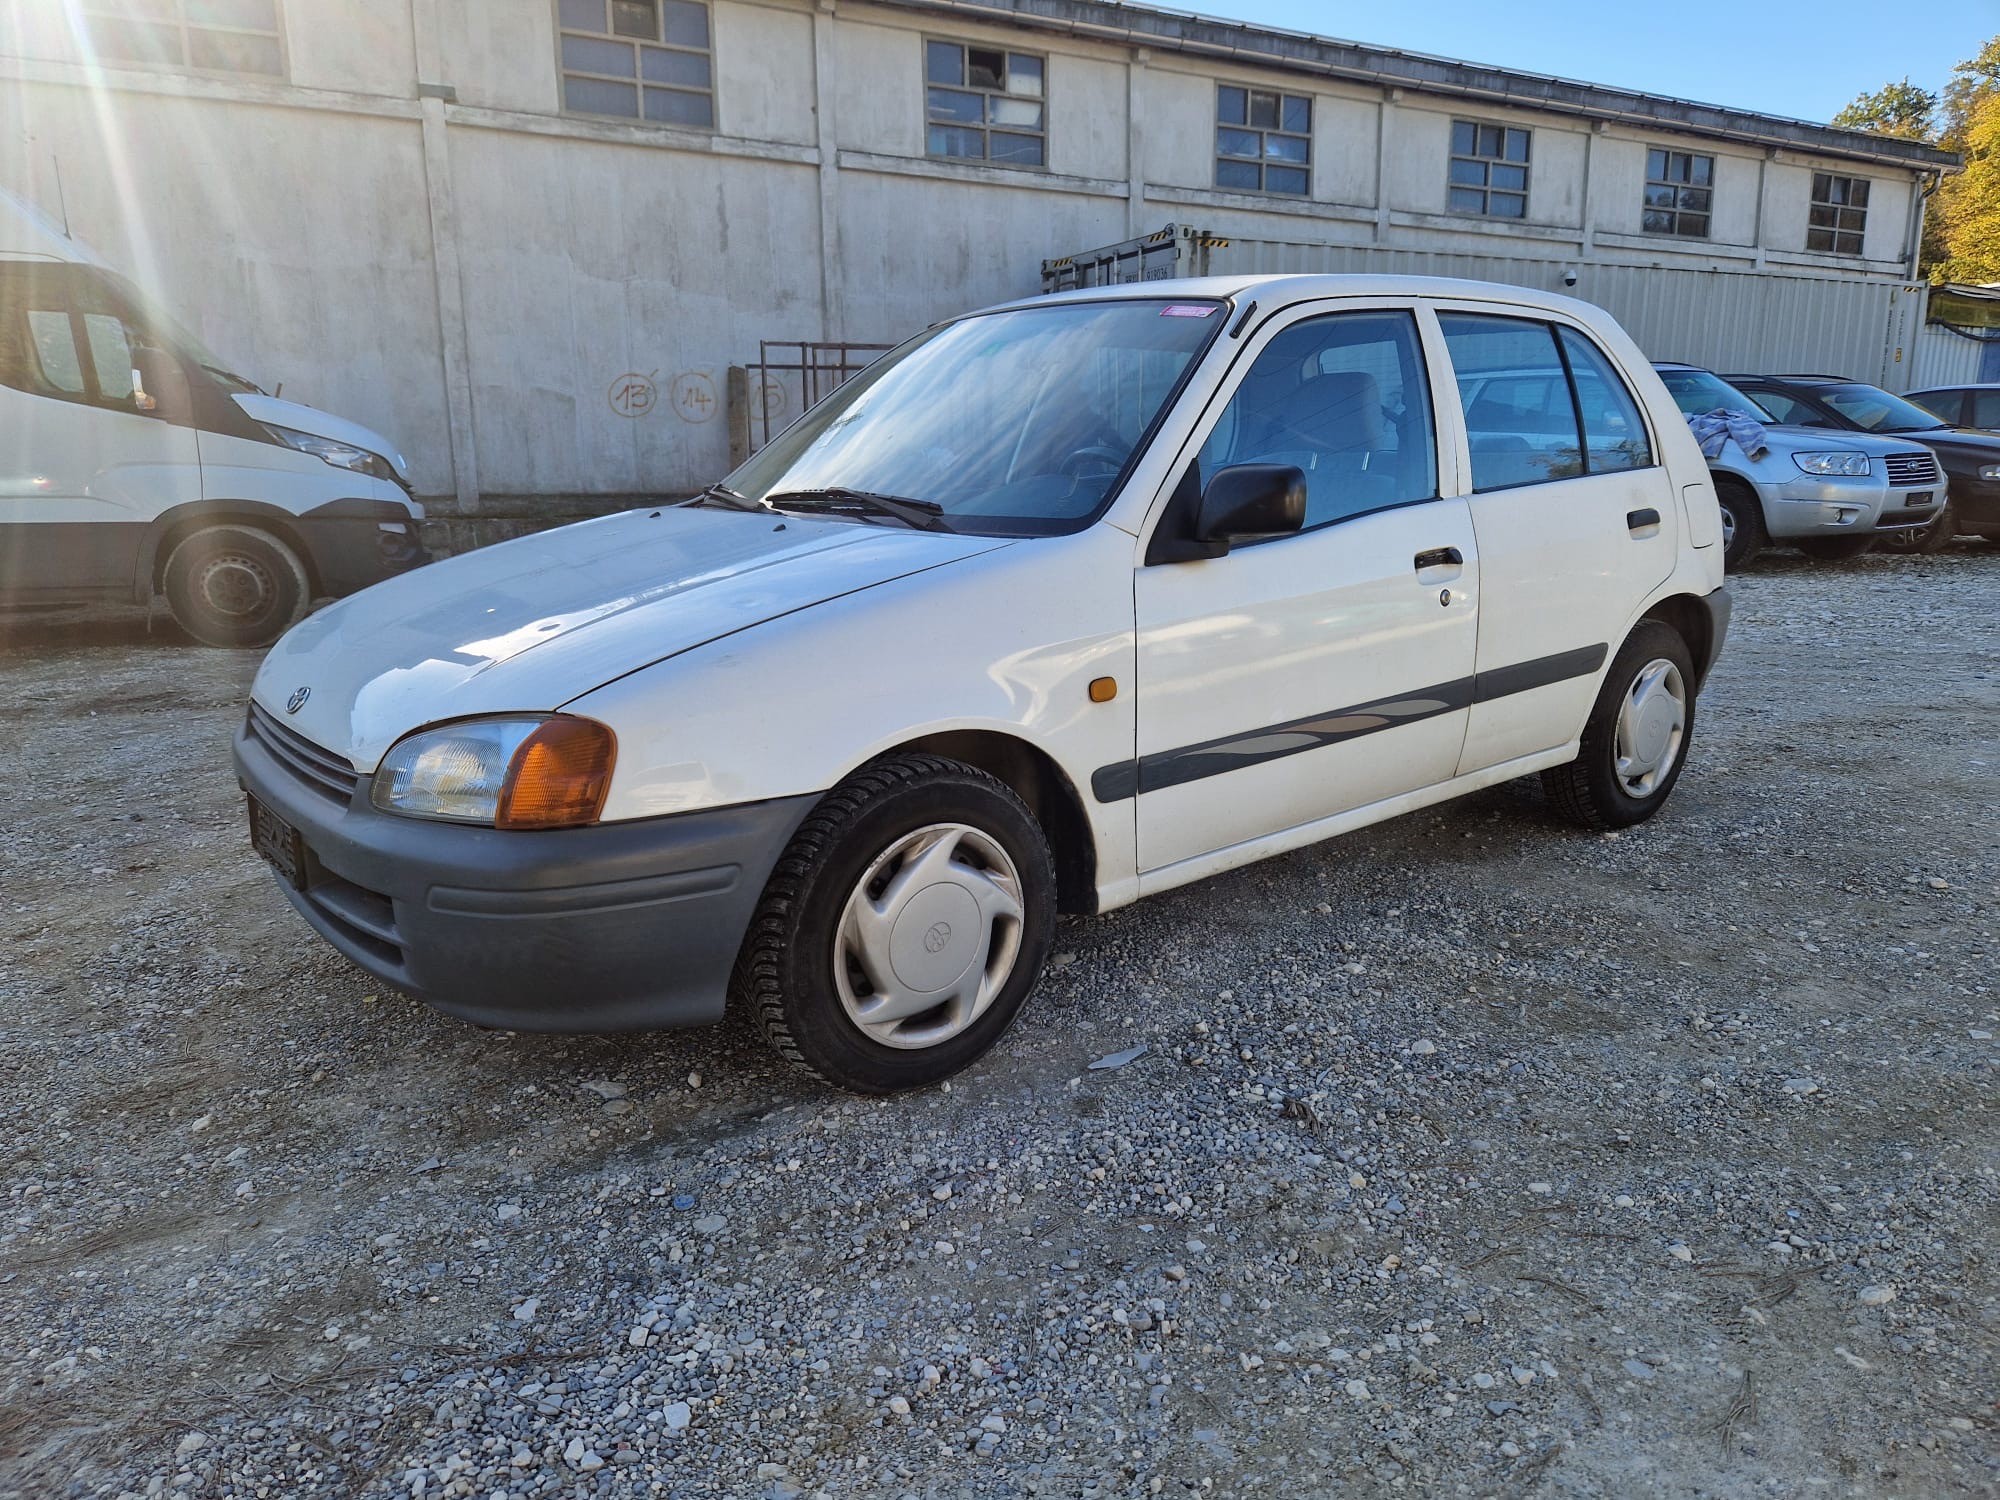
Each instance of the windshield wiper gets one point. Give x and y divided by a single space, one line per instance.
725 495
243 380
922 515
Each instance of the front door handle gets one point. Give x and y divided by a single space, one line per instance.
1637 521
1440 557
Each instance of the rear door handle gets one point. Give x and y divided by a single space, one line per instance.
1440 557
1638 520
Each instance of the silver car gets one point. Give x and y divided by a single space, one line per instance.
1830 494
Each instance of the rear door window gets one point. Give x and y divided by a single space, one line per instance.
1614 432
1520 422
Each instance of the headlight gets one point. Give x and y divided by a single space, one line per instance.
534 771
1989 471
1852 465
340 455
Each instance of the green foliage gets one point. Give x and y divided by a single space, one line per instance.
1899 109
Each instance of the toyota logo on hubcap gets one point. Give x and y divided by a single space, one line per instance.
298 700
937 937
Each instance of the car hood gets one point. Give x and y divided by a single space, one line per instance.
1785 439
319 423
1970 442
528 625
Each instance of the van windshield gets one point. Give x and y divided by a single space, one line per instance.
1016 423
1699 392
166 330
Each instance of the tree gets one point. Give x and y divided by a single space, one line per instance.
1899 109
1964 226
1974 79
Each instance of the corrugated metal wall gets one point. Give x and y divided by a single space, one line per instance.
1768 322
1947 358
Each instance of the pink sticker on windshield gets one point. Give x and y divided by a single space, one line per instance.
1186 310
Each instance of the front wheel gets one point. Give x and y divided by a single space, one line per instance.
1743 534
1921 541
903 928
235 585
1636 739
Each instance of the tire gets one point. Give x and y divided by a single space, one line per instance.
1743 533
1835 548
810 971
235 585
1926 541
1590 791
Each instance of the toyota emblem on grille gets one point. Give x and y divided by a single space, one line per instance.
298 700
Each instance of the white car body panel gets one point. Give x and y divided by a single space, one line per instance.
739 658
529 624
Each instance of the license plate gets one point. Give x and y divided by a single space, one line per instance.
279 842
1920 498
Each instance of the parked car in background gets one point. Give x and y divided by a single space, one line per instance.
1975 406
1054 606
1971 458
134 463
1831 498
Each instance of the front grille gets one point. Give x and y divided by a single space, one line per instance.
322 770
1912 468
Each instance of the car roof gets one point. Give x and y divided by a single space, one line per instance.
1969 385
1281 290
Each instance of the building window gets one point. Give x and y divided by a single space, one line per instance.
1679 185
1839 214
1263 141
216 36
638 59
1489 170
985 104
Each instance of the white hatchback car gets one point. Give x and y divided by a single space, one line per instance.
1057 605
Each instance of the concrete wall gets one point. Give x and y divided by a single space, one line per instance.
407 230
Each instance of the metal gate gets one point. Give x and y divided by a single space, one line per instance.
791 376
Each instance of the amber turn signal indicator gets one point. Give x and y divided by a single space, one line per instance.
1103 689
559 776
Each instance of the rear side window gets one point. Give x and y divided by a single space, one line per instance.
1345 398
1614 432
1519 419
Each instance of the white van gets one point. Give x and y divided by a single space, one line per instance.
133 463
1055 606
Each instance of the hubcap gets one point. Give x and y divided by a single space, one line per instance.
1728 524
235 585
1651 726
929 936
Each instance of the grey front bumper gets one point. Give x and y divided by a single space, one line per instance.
617 927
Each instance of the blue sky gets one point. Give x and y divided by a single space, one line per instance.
1804 58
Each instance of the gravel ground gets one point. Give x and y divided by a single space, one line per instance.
1467 1154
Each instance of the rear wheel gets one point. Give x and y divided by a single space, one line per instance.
1636 740
235 585
903 928
1743 534
1835 548
1923 540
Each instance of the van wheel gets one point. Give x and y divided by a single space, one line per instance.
1835 548
1924 541
1637 737
1743 534
903 928
231 585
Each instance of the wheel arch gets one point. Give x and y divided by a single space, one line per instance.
171 527
1689 618
1050 794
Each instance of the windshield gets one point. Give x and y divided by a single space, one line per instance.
163 327
1874 410
1698 392
1015 423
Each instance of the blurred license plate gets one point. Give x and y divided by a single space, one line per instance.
279 842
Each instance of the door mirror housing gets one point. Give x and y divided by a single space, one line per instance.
159 384
1249 502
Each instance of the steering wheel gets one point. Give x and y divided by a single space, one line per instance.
1100 454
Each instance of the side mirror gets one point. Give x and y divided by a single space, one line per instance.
159 385
1247 502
